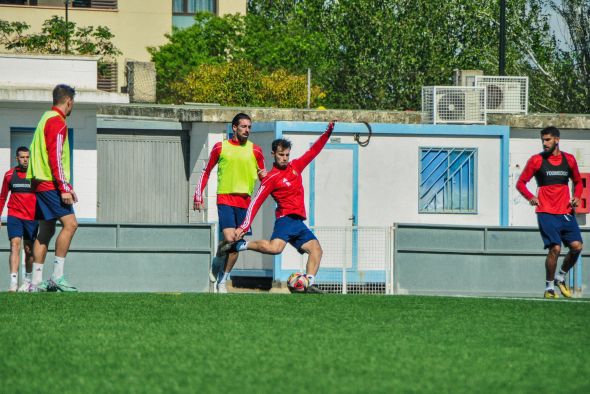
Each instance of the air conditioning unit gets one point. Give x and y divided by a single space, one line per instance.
453 105
465 77
505 95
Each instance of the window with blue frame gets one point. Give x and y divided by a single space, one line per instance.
447 180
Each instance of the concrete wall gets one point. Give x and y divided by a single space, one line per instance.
132 258
23 70
523 144
84 160
475 260
136 24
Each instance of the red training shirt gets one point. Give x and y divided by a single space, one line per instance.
20 205
233 200
554 199
286 186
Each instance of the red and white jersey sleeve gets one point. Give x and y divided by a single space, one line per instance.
56 132
204 178
268 185
5 189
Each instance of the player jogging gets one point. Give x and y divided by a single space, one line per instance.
21 221
49 170
552 169
239 163
285 184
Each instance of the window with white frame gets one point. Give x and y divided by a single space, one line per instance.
447 180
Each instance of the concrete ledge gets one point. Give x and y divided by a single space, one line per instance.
195 113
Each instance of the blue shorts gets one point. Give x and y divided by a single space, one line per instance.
558 228
231 217
50 206
25 229
291 229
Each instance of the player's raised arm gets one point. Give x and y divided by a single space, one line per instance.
317 147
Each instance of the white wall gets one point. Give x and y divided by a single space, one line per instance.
83 121
388 179
524 144
23 70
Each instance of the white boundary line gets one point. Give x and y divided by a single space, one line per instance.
569 300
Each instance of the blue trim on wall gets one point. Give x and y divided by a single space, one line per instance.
355 149
502 132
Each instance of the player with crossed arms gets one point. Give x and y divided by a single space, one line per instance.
285 184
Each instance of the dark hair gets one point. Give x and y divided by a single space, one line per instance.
236 120
283 143
61 92
554 131
21 149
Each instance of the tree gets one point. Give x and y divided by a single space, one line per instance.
53 36
574 70
210 40
378 54
239 83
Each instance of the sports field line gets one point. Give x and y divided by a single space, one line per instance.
579 301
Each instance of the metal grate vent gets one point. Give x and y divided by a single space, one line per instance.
505 95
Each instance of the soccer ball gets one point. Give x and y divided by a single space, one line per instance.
297 282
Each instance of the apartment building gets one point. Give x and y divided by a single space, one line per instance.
136 24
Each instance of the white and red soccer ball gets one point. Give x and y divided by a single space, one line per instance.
297 282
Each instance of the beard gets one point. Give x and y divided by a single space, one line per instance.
550 151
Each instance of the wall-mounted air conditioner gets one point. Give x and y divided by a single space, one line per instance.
453 105
505 95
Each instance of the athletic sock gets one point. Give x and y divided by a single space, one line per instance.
28 277
241 246
560 276
224 277
13 278
549 285
311 279
58 267
37 274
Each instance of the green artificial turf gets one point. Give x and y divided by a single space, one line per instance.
266 343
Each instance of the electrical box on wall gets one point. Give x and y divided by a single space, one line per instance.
584 206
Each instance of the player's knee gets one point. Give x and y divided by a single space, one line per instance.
555 249
73 226
15 243
576 247
275 249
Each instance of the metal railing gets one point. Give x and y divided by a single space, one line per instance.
356 260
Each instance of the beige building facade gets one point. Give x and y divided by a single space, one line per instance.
136 24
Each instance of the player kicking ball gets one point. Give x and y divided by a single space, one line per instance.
285 184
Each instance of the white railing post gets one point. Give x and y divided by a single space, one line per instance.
344 261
